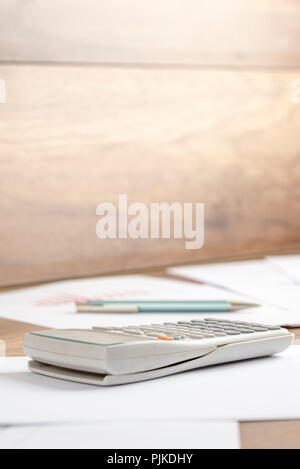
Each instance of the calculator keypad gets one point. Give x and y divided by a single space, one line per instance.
196 329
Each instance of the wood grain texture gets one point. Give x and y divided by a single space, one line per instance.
206 32
283 434
72 137
12 332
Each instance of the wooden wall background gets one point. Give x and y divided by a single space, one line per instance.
206 32
185 101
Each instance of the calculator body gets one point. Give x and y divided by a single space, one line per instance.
107 356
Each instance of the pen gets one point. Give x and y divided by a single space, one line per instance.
161 306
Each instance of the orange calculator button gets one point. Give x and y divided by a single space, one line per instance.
165 337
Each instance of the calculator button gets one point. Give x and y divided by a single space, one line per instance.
156 332
103 328
273 328
171 334
165 337
132 331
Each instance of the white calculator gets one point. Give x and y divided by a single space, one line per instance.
118 355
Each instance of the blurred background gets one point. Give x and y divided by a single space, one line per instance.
173 101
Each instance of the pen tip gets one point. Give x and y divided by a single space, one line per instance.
233 306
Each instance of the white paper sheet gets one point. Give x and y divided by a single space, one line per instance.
124 435
258 280
259 389
289 265
53 305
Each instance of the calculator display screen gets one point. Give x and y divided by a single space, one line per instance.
91 337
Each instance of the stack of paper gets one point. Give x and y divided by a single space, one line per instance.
193 409
289 265
110 435
265 388
262 281
53 305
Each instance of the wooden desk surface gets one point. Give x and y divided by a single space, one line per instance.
254 435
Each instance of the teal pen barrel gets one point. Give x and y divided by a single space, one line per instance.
156 306
188 307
